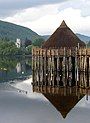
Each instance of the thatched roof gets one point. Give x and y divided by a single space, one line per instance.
63 37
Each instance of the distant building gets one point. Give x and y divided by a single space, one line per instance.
18 43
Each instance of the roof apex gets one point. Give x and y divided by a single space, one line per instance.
63 37
63 24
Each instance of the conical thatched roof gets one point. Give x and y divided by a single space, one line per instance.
63 37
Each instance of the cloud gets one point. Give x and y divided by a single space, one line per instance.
45 19
83 5
10 7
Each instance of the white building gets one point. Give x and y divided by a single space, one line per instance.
18 43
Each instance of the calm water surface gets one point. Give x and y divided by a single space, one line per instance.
14 68
40 104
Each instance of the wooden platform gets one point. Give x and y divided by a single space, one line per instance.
54 66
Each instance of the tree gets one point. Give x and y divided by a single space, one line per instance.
27 42
38 42
29 49
9 48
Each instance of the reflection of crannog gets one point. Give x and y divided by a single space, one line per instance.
63 98
84 80
18 67
22 66
65 92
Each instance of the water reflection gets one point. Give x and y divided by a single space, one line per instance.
64 96
14 68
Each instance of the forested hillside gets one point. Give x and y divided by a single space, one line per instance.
12 32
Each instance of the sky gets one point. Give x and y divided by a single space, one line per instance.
44 16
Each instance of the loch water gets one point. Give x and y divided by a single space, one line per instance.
38 103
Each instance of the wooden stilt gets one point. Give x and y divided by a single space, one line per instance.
48 65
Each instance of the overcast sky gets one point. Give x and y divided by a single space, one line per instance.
44 16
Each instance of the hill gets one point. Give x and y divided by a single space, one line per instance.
83 37
13 31
45 37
